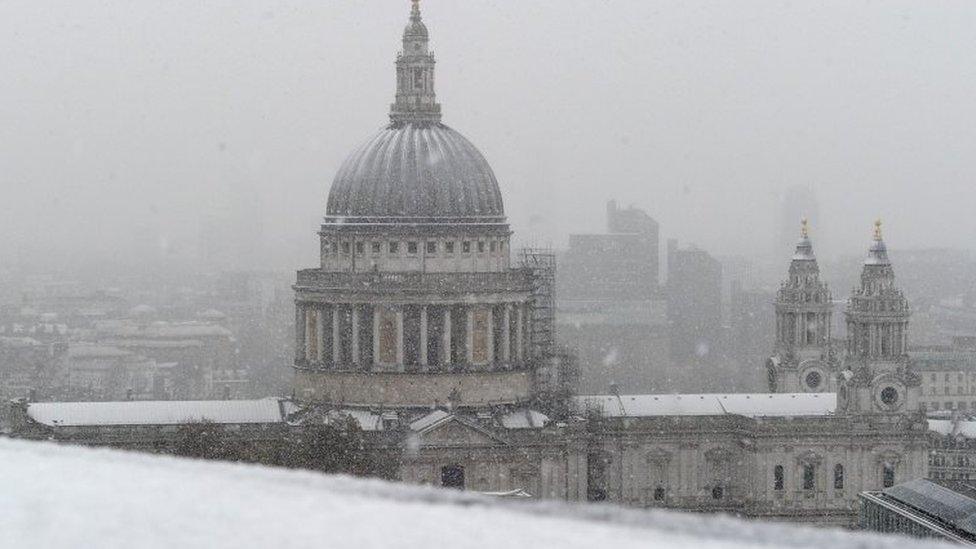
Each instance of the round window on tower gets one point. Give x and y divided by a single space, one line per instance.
813 380
889 396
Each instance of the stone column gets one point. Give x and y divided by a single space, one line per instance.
446 347
336 336
469 335
423 336
520 334
299 332
309 337
355 334
507 334
490 336
320 335
399 339
377 311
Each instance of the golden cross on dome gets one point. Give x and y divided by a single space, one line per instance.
877 230
804 228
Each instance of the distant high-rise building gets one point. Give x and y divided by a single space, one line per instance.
621 264
610 312
694 296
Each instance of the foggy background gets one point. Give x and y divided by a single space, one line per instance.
194 132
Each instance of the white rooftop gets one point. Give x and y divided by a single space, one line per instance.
744 404
965 429
161 412
429 420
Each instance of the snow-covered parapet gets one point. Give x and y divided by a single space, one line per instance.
61 496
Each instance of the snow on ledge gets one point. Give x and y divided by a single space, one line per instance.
64 497
742 404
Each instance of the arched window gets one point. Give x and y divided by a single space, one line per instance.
659 494
718 492
809 476
778 477
838 477
888 475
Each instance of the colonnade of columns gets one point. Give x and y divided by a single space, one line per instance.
401 337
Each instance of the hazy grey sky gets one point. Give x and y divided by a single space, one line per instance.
122 118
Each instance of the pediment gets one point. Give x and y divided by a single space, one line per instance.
454 432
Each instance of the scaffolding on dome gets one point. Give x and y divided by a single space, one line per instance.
542 320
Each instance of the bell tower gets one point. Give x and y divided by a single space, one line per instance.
415 98
803 360
878 375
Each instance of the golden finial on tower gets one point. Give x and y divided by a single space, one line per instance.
804 228
877 230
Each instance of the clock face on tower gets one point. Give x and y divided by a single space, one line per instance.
889 395
813 377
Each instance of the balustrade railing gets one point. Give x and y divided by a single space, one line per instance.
508 280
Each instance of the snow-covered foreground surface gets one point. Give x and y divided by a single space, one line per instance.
58 496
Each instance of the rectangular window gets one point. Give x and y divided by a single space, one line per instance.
466 247
360 248
432 247
325 246
345 248
778 477
335 247
449 247
411 247
494 246
481 247
394 247
375 247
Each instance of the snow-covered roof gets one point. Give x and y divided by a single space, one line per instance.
112 500
87 350
19 342
367 420
429 420
966 429
162 330
523 419
744 404
161 412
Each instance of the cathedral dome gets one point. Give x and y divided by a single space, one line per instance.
416 170
410 170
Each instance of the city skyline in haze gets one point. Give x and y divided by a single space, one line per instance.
188 128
